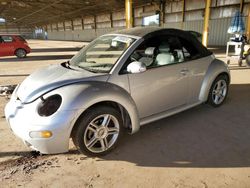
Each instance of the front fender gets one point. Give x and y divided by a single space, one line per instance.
215 68
81 96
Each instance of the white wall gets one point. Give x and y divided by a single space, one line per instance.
217 31
26 32
79 35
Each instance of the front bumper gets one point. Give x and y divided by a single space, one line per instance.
23 119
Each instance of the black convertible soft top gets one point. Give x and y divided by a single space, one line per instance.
146 32
138 31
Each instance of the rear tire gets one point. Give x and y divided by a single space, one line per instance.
218 91
248 60
21 53
98 131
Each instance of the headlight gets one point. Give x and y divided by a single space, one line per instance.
49 105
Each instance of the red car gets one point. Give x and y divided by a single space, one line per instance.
13 45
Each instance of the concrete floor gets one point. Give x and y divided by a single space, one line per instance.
201 147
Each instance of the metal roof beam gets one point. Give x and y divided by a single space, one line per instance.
37 11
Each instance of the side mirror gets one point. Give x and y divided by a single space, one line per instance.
136 67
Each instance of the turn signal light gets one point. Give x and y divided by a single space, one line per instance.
40 134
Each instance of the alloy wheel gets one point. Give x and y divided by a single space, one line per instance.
101 133
219 92
21 53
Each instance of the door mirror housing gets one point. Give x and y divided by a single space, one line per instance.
136 67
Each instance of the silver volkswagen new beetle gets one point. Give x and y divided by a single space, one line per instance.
117 83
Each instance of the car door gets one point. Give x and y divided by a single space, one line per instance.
197 66
164 85
2 47
7 46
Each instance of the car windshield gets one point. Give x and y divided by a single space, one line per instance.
102 54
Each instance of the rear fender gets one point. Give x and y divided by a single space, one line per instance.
216 68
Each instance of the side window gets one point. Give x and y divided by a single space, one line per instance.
171 50
158 51
187 55
7 38
189 50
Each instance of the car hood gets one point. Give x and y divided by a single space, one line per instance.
52 77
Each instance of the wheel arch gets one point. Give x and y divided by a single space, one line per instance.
88 96
20 49
215 69
126 118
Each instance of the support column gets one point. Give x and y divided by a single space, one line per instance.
183 13
72 25
57 29
111 20
6 28
241 6
162 13
129 13
82 22
64 28
19 29
206 23
95 24
248 25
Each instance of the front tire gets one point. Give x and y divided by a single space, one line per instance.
98 131
21 53
218 91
